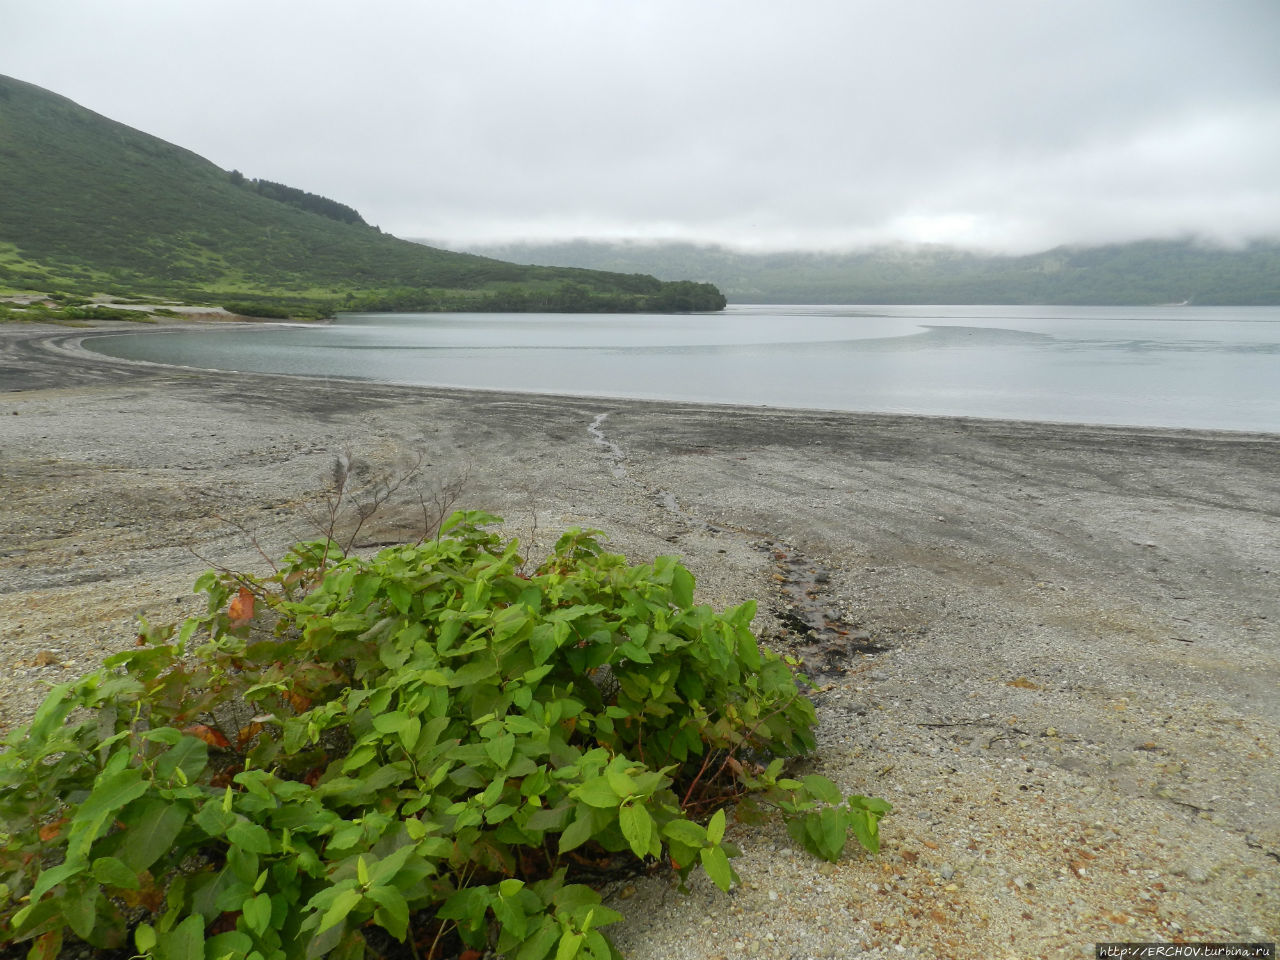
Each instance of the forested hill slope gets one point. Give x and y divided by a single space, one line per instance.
88 205
1147 272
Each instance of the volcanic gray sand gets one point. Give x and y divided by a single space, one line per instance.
1053 648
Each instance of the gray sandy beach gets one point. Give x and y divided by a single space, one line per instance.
1054 648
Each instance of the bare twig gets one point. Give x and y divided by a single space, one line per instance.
252 537
443 497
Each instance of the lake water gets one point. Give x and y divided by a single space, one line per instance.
1205 367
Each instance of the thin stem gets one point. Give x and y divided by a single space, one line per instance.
701 770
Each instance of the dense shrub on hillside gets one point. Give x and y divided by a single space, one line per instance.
311 202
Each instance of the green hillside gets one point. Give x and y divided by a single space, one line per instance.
1146 272
88 205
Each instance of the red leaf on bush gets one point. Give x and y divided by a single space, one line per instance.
47 946
241 609
300 703
149 896
51 830
210 736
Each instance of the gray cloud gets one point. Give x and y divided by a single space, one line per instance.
1006 124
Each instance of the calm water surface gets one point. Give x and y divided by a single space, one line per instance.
1209 367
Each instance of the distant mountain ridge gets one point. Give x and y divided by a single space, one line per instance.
1145 272
89 205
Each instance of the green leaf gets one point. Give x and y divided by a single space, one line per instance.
152 828
621 784
866 829
499 749
637 828
469 907
598 948
168 735
796 830
242 864
682 584
835 830
346 836
230 945
249 836
686 832
51 877
749 650
358 757
570 943
494 790
385 868
549 818
110 793
390 722
521 724
144 938
183 942
543 642
34 914
499 812
813 832
822 789
871 804
111 872
189 754
597 792
715 827
213 819
410 732
575 899
400 596
81 912
257 913
392 913
716 863
537 946
565 614
473 672
343 904
633 651
577 833
511 915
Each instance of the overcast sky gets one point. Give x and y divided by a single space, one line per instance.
1000 124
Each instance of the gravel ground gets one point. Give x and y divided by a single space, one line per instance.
1053 648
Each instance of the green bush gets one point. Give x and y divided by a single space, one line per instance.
266 311
280 309
428 745
38 312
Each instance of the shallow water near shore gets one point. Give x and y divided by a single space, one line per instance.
1177 366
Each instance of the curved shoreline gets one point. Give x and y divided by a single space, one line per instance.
604 396
1075 716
